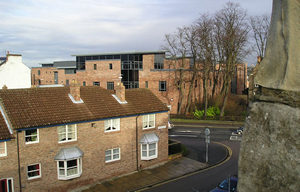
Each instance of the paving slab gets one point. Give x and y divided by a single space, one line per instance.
138 180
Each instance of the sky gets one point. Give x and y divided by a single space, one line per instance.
44 31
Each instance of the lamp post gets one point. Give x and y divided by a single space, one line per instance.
207 141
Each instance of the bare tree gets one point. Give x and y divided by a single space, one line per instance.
260 29
177 49
206 52
231 37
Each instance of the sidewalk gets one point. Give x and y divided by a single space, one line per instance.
145 178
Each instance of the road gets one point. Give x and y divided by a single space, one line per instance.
193 138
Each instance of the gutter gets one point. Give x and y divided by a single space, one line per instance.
136 142
19 169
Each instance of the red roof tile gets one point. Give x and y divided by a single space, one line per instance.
36 107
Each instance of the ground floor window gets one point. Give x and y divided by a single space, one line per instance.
34 171
69 169
112 155
6 185
149 151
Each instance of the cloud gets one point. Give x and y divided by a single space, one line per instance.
48 30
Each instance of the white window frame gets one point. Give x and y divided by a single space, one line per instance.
108 124
112 155
5 150
39 170
146 120
66 127
148 157
65 168
12 183
31 142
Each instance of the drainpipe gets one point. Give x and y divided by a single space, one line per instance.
137 145
19 169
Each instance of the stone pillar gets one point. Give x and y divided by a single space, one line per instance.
270 151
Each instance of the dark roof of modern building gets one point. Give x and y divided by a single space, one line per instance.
64 64
4 132
61 64
41 107
123 53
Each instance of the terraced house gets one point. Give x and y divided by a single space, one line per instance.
59 138
145 69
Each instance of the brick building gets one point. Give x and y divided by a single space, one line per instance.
138 69
60 138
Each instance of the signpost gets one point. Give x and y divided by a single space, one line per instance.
207 141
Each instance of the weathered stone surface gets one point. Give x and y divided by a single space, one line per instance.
280 69
270 151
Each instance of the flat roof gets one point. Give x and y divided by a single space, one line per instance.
122 53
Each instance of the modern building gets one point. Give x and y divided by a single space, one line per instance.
60 138
14 74
148 69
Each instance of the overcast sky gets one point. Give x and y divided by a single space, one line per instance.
51 30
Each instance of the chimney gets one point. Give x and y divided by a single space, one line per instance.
120 90
4 87
75 91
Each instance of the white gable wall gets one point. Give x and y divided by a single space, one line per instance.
14 73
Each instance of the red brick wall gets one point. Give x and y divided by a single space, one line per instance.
93 141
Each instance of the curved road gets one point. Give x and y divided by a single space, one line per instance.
206 179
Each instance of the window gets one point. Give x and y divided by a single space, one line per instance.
67 133
69 169
39 72
3 149
146 84
32 136
6 185
84 83
95 66
67 82
159 61
112 125
112 155
34 171
148 121
162 85
149 151
96 83
110 66
110 85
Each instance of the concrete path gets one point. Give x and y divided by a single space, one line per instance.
146 178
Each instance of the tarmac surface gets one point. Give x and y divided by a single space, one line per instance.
144 179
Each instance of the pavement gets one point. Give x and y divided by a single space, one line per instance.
139 181
149 177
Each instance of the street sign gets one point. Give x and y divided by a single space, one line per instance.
206 131
207 139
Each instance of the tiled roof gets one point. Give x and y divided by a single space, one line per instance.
4 133
38 107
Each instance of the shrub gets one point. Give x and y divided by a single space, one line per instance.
211 112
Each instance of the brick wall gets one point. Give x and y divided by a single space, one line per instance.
93 141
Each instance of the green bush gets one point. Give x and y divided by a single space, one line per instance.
211 112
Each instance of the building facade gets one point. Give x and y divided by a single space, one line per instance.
14 74
65 137
138 70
